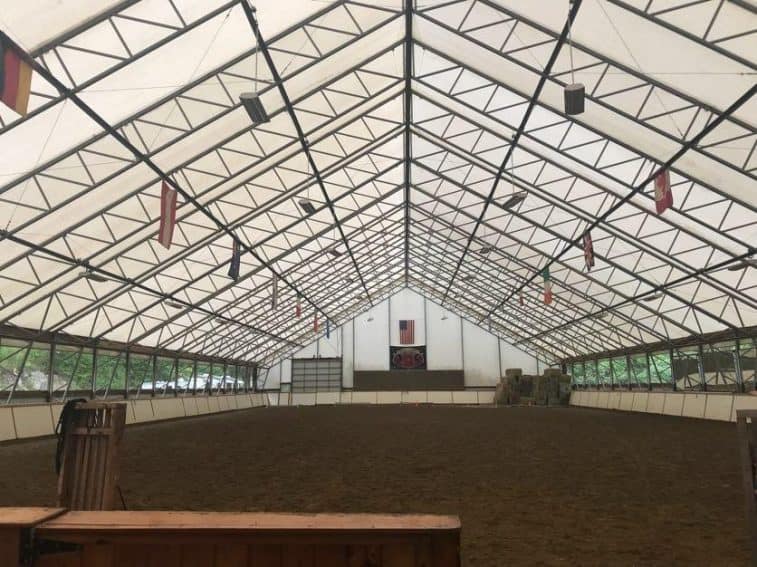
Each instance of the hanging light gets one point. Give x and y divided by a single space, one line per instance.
575 93
93 276
514 199
750 263
175 304
254 107
307 206
370 318
486 250
653 297
335 253
444 316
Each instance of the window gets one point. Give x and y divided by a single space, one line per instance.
140 375
185 382
686 368
719 363
72 372
748 362
203 377
110 373
659 370
639 371
590 373
619 367
604 374
165 375
577 374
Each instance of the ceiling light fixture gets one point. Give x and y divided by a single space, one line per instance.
307 206
254 107
93 276
514 199
750 263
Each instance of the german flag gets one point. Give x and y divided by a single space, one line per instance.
15 78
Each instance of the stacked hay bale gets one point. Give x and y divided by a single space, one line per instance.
508 389
556 387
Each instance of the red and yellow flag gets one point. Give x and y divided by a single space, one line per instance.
15 78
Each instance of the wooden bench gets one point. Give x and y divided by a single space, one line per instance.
217 539
15 531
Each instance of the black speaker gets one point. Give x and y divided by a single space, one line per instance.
574 98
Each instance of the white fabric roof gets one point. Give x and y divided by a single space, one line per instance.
409 176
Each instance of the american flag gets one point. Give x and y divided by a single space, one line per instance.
663 196
407 332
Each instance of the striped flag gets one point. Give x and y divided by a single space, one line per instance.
588 251
235 260
15 78
547 286
407 331
275 292
663 196
298 307
167 215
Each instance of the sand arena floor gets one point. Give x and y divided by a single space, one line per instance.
533 486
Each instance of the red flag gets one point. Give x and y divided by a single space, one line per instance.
663 196
15 78
167 214
298 307
588 251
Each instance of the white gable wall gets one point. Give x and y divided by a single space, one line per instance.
451 343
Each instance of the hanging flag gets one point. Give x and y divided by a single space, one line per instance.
298 307
315 323
547 286
588 251
235 259
663 196
328 329
275 292
522 301
407 331
167 215
15 78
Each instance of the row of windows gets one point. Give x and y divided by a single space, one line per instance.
728 366
29 368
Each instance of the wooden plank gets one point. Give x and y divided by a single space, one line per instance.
124 521
265 555
197 555
10 546
398 555
231 555
330 556
296 555
62 559
97 555
27 517
363 555
131 555
423 556
446 550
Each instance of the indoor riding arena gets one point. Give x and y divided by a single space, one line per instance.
404 283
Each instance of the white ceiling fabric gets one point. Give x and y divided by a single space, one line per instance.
409 196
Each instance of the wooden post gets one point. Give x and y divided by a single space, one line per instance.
745 420
89 476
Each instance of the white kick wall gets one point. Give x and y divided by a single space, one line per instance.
451 343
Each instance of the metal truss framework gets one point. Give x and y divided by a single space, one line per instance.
407 127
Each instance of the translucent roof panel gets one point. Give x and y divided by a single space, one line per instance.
409 127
